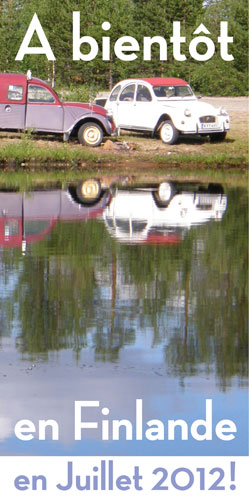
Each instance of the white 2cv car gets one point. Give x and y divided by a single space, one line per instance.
165 106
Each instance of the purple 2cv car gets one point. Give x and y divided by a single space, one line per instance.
30 103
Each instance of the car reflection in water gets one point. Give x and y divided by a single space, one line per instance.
28 217
160 215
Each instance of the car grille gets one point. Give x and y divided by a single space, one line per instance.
207 119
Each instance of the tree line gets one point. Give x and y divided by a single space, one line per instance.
138 19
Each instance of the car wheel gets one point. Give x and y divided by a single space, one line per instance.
168 133
90 134
164 194
88 191
217 136
165 190
215 188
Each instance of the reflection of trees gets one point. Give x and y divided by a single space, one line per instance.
219 284
79 288
60 303
10 269
224 276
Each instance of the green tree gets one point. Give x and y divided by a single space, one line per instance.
136 18
217 76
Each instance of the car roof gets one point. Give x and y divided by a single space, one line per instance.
165 81
20 78
158 81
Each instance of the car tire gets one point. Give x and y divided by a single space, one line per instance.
164 194
89 191
216 137
168 133
215 188
90 134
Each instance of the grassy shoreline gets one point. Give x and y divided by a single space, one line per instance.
33 175
26 150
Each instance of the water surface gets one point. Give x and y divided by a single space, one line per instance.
121 302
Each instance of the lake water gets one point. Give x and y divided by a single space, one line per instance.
124 304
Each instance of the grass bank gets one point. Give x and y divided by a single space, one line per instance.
43 157
27 151
118 173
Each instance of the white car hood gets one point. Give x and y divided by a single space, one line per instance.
195 106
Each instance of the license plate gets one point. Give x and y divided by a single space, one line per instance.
209 125
206 200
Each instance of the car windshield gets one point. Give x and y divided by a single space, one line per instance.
170 91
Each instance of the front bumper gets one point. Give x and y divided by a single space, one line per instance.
195 126
219 126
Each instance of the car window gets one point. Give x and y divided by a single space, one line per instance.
39 94
115 93
169 91
143 93
11 228
15 93
128 93
160 91
183 91
34 227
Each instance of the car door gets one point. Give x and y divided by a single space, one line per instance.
44 110
145 110
136 109
125 107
